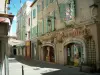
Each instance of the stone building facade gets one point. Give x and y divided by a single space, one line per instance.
69 31
5 23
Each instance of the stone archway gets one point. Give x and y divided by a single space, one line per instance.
48 53
74 53
14 50
70 47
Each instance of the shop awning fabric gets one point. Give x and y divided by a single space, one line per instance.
16 42
6 17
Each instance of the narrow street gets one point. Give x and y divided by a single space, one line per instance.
15 68
39 68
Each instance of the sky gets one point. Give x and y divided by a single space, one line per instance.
15 5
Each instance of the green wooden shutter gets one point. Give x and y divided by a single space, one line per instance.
35 31
38 8
46 24
22 33
34 12
43 26
30 32
53 21
38 30
62 11
31 26
46 3
51 1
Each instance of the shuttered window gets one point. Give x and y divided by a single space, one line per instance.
43 26
53 21
38 29
46 24
42 4
46 3
29 21
31 33
34 13
38 8
51 1
62 11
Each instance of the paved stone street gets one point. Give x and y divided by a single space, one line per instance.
42 68
15 68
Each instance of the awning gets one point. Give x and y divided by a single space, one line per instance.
9 16
16 42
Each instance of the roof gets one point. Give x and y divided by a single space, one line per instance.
10 16
33 3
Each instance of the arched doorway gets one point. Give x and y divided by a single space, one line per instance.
14 50
73 53
48 54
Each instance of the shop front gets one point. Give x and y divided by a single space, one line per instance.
73 46
28 49
34 50
48 54
74 53
79 48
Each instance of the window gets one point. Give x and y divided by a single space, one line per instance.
51 1
38 8
53 21
46 24
43 26
29 21
43 4
46 3
34 13
29 35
